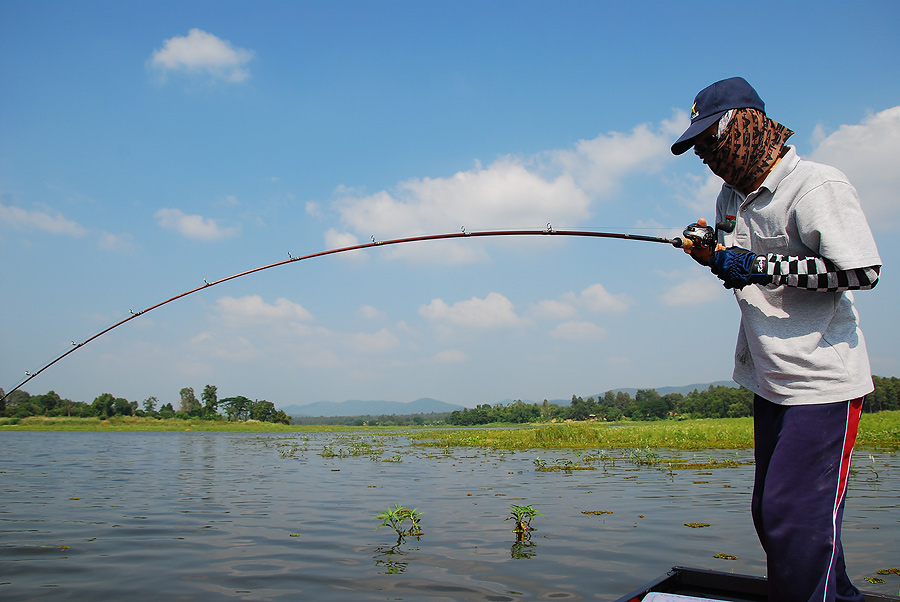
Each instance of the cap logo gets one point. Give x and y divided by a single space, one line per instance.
694 113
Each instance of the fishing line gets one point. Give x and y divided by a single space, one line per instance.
548 231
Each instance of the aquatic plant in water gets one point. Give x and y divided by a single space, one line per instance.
396 517
523 515
643 457
356 446
873 465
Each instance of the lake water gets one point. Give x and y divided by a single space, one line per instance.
199 516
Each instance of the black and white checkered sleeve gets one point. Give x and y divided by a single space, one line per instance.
819 274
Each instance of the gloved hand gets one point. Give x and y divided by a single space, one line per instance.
738 267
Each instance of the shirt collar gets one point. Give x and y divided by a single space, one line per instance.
782 169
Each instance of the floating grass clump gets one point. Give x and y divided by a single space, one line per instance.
561 464
355 446
681 464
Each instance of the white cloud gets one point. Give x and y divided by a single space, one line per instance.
594 298
201 338
340 240
232 349
375 342
252 310
494 311
367 312
450 356
599 165
557 187
117 243
506 194
693 292
313 208
553 310
597 298
698 193
868 153
39 220
204 53
195 227
578 331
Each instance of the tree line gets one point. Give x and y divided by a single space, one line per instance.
648 404
20 404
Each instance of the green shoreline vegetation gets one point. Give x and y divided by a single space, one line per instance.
716 418
877 431
880 430
139 423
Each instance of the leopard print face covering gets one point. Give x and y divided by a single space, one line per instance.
748 149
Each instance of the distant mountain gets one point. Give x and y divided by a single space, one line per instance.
355 407
427 405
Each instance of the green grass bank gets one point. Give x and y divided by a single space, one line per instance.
877 431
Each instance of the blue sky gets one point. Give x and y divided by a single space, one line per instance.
145 146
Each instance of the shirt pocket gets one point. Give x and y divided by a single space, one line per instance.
770 244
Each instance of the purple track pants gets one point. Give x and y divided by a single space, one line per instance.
802 463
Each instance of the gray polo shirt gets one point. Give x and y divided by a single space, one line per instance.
797 346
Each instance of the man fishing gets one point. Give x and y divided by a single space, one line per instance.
791 241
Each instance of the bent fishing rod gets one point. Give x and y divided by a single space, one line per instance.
548 231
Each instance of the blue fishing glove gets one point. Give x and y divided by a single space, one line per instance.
738 267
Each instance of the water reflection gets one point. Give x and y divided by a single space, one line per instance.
523 548
389 559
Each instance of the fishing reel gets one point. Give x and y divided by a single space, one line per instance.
699 237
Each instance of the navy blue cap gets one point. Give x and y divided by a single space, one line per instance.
714 101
